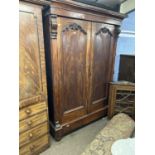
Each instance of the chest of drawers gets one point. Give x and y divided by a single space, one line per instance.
33 109
33 128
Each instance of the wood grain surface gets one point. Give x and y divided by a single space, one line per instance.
33 108
80 51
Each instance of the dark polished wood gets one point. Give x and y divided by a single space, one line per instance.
76 6
101 64
32 80
72 48
127 68
68 127
80 49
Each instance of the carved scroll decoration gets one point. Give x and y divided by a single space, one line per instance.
74 27
54 26
104 30
117 30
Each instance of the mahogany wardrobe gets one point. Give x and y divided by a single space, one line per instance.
80 45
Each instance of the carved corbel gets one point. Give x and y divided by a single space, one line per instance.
54 26
117 31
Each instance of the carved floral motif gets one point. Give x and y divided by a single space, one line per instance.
74 27
104 30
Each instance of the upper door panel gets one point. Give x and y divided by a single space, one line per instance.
101 63
32 77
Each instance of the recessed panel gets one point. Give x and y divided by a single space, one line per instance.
29 69
73 63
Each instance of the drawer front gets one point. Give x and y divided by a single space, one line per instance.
32 121
35 146
33 134
31 110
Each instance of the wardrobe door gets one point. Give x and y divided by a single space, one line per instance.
101 66
73 46
32 76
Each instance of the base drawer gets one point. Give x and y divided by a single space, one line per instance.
31 110
32 121
33 134
35 147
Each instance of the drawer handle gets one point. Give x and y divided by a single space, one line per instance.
28 111
29 123
32 147
30 135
